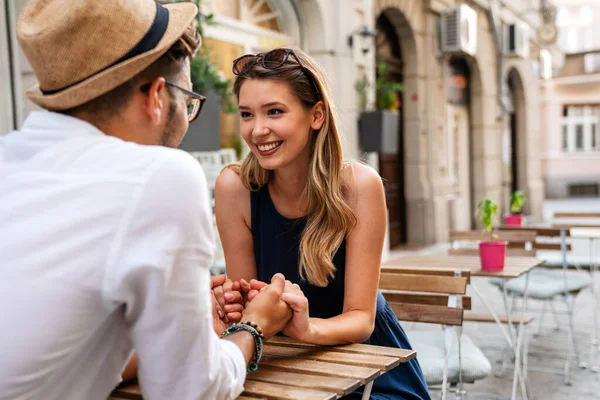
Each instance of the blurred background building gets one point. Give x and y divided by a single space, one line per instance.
571 105
470 83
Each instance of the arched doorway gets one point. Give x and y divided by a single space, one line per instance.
514 178
459 116
391 165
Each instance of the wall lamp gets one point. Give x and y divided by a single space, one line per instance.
364 35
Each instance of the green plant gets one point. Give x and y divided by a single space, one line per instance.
517 201
361 86
386 92
238 146
205 76
487 211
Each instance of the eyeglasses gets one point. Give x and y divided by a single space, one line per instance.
270 60
194 104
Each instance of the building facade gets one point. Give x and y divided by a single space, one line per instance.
571 106
469 124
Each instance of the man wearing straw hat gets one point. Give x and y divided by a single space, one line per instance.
105 236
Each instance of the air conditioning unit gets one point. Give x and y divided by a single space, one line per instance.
545 64
516 39
459 30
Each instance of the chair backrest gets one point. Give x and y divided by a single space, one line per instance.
577 215
211 163
426 295
521 244
547 239
576 219
228 156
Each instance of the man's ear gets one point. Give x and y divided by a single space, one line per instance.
317 116
154 104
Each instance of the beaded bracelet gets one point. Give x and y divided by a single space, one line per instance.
256 332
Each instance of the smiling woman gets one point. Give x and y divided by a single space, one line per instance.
292 206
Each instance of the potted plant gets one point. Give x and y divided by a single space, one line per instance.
378 129
204 134
491 252
517 201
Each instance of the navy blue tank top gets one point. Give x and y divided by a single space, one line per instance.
276 245
276 249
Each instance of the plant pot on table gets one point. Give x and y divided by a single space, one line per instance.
513 219
492 254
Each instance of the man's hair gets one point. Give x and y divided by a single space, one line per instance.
168 66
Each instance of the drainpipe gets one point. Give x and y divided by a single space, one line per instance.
494 19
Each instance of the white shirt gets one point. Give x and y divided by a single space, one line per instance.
105 247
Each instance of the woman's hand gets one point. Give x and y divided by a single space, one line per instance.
299 327
229 298
250 289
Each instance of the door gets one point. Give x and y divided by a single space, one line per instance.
391 165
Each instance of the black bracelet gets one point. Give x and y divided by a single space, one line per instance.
256 332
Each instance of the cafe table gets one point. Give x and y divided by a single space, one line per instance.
514 267
293 370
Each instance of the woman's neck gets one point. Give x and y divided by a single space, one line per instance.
289 183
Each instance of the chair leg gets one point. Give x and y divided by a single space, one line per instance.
459 388
555 315
448 340
571 342
542 314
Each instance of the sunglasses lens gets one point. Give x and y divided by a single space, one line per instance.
275 58
242 63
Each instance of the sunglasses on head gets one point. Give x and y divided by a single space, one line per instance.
269 60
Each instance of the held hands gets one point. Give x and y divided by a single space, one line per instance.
267 308
299 327
231 298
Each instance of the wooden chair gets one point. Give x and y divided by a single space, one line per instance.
437 297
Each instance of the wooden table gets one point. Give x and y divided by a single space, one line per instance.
513 268
294 370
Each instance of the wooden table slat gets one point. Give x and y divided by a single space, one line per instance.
273 390
130 390
341 386
363 374
403 354
382 363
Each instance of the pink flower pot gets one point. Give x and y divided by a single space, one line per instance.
513 219
492 255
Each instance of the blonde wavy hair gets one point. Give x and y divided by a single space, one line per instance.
329 218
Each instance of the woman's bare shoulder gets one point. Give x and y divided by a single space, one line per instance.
230 189
358 177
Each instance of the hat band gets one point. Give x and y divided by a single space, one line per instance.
148 42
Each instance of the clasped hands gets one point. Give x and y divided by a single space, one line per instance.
278 306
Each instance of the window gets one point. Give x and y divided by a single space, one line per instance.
579 137
579 128
583 190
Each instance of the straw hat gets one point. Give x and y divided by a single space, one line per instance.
81 49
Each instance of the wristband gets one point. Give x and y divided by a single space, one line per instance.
256 332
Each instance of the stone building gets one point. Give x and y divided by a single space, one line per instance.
469 123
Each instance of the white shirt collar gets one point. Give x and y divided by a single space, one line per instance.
51 123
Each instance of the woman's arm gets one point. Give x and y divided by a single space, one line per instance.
364 247
232 210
